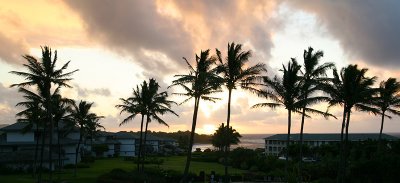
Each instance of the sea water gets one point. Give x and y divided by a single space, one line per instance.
250 141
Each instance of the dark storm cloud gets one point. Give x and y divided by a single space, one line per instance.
137 27
133 26
367 29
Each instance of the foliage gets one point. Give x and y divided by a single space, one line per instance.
100 148
224 137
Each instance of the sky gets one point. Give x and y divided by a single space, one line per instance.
116 45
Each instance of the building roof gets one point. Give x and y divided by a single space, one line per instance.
331 137
16 127
125 135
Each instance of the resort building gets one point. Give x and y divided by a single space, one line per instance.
276 143
20 142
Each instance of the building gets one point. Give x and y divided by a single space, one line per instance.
276 143
18 145
20 142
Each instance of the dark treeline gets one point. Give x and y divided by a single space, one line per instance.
181 135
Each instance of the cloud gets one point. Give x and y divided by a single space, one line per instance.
11 50
159 33
84 92
367 30
9 98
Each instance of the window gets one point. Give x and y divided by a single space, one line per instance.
279 148
274 148
270 148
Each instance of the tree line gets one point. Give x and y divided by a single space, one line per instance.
297 89
46 110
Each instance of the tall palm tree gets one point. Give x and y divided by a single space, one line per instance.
200 83
33 115
313 75
45 73
283 92
235 74
61 106
82 117
388 100
134 105
351 88
156 104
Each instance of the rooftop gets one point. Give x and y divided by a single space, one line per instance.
331 137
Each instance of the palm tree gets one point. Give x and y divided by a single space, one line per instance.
234 73
222 138
45 74
201 81
156 104
61 107
134 105
82 118
388 100
33 115
283 92
350 89
312 76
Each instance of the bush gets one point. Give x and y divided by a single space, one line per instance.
152 175
80 165
88 159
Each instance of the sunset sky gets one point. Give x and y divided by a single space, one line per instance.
118 44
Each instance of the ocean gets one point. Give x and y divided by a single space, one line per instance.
250 141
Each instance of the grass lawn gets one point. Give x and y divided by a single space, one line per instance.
89 175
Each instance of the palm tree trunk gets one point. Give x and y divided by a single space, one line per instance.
42 154
191 139
145 141
34 167
380 132
140 144
287 144
50 117
346 145
59 146
303 113
228 119
341 164
77 151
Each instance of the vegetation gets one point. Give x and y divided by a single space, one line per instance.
201 81
296 88
234 73
224 137
45 78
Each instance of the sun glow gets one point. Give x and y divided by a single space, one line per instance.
208 129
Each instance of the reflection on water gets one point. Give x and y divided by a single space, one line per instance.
250 141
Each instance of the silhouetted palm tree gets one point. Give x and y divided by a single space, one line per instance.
201 81
45 74
134 105
156 104
388 100
61 106
83 118
350 89
222 138
235 74
283 92
33 115
313 75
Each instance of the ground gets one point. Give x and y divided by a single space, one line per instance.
100 166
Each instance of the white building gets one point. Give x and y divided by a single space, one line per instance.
276 143
18 144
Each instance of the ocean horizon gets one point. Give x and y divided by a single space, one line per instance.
251 141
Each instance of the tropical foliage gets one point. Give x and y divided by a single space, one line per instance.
225 137
201 81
